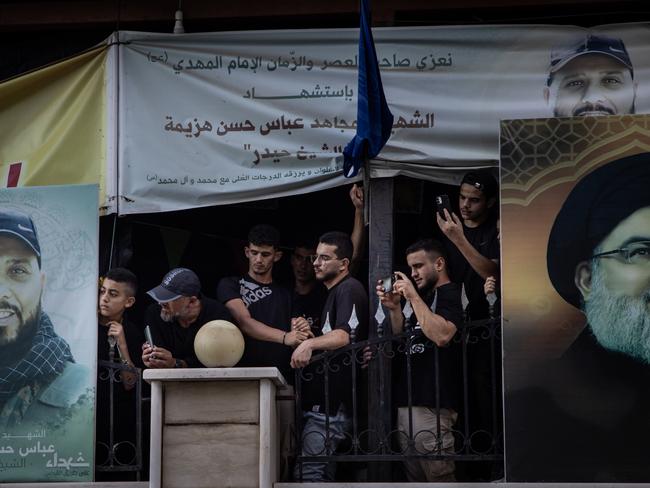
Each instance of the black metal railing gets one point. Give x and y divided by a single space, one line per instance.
119 419
477 435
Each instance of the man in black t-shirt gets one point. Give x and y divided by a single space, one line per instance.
309 294
472 256
472 245
344 315
175 320
434 315
262 308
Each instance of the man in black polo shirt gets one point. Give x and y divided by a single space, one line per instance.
435 316
345 314
174 321
261 307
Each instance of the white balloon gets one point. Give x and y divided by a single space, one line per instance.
219 344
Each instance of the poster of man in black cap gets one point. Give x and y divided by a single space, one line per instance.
577 407
48 276
590 75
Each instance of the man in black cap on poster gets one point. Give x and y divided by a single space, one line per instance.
591 423
590 75
175 320
39 379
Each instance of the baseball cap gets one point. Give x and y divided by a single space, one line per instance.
21 226
592 43
482 180
179 282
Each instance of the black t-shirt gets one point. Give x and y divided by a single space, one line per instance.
180 340
134 339
484 239
346 308
269 304
310 306
124 400
444 301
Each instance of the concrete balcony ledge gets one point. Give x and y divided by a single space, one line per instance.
459 485
214 374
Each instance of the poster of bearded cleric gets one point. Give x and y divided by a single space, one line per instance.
575 236
48 300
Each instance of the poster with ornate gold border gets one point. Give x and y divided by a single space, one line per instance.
575 231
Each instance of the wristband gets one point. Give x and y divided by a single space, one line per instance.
283 339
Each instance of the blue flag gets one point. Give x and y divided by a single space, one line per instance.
374 120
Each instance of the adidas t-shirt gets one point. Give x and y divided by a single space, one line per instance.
269 304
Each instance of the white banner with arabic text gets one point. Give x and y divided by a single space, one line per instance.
217 118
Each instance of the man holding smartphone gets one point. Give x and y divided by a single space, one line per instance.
437 316
472 246
472 240
181 310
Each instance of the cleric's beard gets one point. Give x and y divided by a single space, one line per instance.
619 323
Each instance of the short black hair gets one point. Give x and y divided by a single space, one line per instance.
305 242
123 275
264 235
341 240
428 246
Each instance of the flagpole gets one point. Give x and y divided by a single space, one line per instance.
366 191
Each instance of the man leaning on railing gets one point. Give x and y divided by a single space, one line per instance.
327 395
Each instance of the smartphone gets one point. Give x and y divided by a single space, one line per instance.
147 336
388 283
442 203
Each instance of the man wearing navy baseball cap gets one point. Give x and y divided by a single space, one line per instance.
590 75
39 379
181 310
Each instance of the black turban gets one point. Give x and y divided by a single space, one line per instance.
595 206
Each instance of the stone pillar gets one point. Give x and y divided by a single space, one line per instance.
214 427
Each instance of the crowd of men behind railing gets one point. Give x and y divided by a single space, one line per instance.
326 310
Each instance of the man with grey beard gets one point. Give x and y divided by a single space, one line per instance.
589 420
181 310
620 323
39 381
